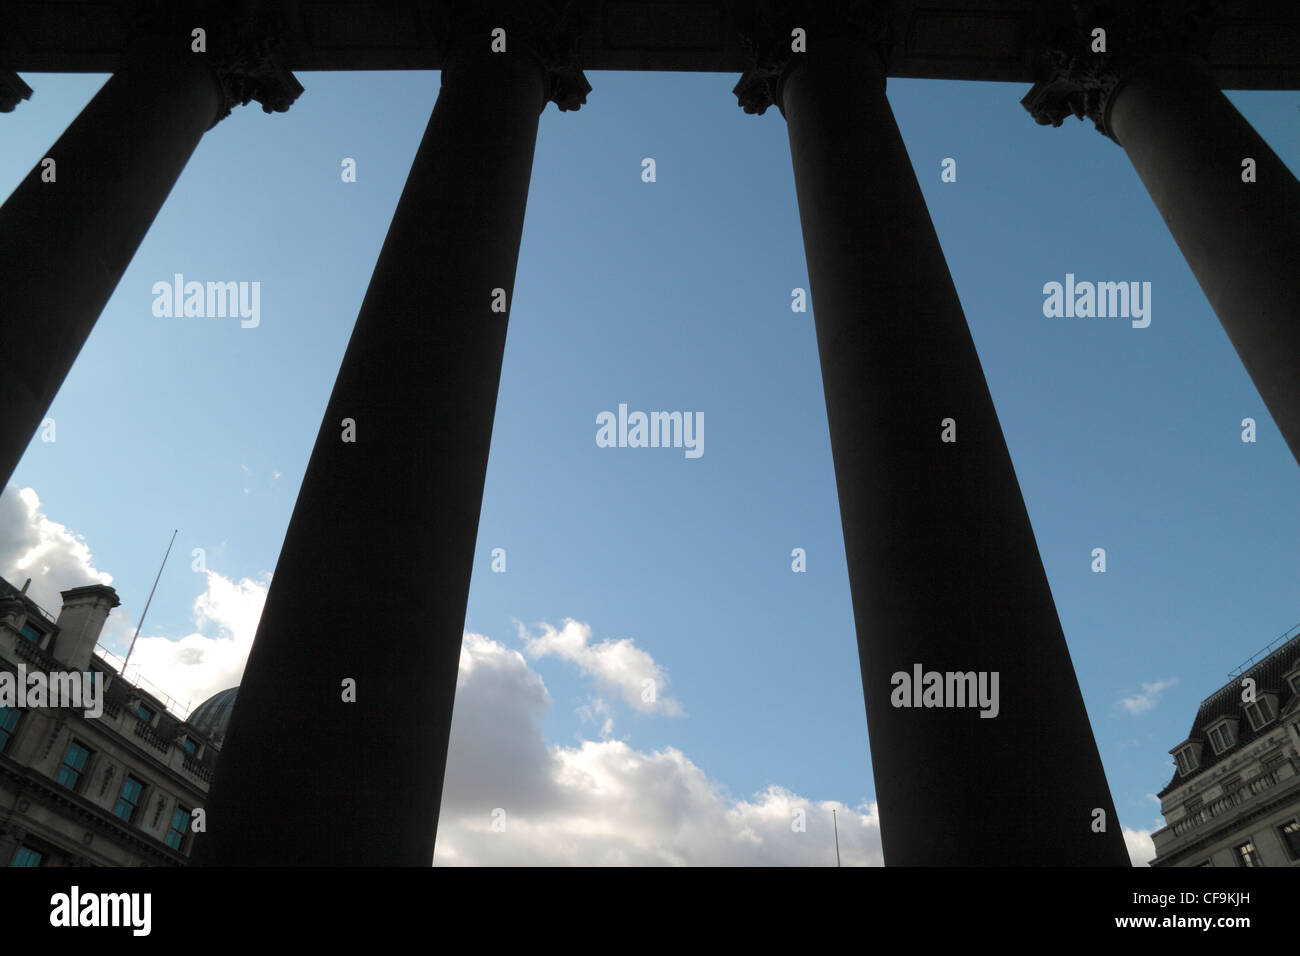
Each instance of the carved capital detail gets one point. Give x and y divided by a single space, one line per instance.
247 65
768 39
1073 79
12 91
551 30
241 46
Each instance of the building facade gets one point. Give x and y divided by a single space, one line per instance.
117 789
1234 799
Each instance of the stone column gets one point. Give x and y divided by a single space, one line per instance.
338 740
71 227
943 567
1238 228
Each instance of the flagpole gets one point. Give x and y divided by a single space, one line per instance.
148 602
836 824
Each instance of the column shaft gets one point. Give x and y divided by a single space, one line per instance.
943 566
1241 239
374 574
65 243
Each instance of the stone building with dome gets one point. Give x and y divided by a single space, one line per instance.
119 789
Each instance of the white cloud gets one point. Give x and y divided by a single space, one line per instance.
597 802
604 802
33 546
617 665
596 711
189 669
1141 850
1148 698
194 667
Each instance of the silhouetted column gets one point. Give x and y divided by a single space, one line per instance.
71 227
944 570
1189 145
372 582
1237 223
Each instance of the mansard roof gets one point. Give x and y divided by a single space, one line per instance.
1269 676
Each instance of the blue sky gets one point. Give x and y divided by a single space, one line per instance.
675 295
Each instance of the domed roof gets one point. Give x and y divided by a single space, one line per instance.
212 717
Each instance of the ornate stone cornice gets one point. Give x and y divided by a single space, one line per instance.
1073 80
767 39
551 30
243 49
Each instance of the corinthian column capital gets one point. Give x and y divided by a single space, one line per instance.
248 66
241 43
772 43
12 90
549 31
1087 48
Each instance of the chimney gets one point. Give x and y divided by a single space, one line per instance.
26 585
80 620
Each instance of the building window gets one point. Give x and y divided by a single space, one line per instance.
1186 760
1260 712
1290 833
1221 737
32 634
180 823
1247 855
189 745
129 800
1295 684
9 717
144 713
74 765
26 856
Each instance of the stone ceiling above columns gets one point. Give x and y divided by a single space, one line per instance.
1256 43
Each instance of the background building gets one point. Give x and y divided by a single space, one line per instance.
1235 796
117 790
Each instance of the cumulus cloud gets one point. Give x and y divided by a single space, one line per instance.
1147 699
33 546
1141 850
189 669
596 802
617 665
194 667
596 711
604 802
